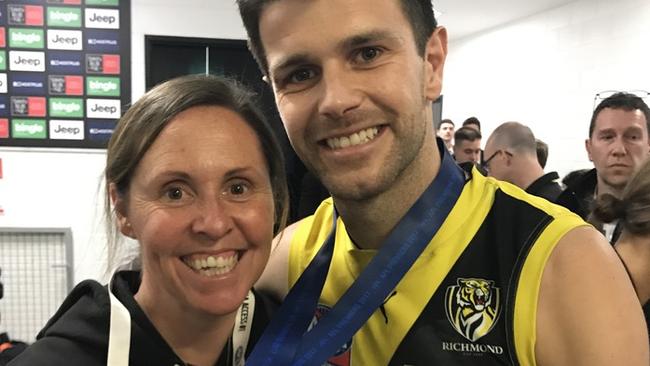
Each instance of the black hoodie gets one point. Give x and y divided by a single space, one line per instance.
78 333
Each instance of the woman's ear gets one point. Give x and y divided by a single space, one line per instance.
119 203
435 54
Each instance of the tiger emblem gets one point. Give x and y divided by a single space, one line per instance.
473 307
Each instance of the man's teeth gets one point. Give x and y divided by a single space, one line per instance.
212 266
356 138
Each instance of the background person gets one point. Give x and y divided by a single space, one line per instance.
354 83
196 177
618 144
632 211
446 133
467 145
511 152
472 122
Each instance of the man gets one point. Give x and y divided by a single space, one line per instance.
354 82
467 145
472 122
512 157
542 152
446 133
618 144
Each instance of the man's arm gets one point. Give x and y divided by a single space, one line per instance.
588 313
275 278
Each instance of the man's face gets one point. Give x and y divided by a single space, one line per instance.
446 131
617 146
465 151
353 93
496 163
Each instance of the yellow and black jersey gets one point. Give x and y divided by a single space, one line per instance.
471 296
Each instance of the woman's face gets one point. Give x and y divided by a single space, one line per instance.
201 206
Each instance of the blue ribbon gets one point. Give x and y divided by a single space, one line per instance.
285 342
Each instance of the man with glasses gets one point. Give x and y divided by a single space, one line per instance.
512 157
618 144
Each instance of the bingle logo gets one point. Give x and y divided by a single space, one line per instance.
25 38
102 18
63 17
28 128
26 61
66 130
103 108
64 62
64 40
103 86
66 107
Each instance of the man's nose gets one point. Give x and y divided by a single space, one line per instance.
340 93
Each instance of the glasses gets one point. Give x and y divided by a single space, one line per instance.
486 162
608 93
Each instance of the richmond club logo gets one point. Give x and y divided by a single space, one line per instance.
473 307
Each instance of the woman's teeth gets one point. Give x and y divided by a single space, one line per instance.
212 266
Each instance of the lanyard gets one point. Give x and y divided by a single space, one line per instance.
285 341
119 334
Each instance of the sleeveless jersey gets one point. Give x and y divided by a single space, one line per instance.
471 296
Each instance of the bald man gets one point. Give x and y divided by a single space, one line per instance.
511 155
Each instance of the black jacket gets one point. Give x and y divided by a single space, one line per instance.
546 187
77 335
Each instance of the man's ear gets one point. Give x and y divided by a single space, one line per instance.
588 148
435 54
119 204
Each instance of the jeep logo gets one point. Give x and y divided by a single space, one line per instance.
68 130
103 109
108 19
27 61
68 40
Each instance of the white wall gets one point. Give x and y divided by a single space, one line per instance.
542 71
545 70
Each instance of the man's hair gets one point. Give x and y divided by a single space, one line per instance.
472 121
446 120
624 101
466 134
515 136
542 152
418 12
632 210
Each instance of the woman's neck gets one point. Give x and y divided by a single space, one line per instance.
197 338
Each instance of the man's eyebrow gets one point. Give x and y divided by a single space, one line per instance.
365 38
344 45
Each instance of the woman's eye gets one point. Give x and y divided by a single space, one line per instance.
238 189
174 193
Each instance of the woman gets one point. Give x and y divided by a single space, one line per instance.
632 211
195 176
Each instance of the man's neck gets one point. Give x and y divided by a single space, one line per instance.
602 188
527 173
370 221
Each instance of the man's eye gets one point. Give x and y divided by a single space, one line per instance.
368 54
174 193
301 76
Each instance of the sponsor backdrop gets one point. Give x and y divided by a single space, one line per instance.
64 71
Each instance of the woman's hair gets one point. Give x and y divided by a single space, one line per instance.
633 208
142 123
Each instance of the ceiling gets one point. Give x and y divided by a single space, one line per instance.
464 18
